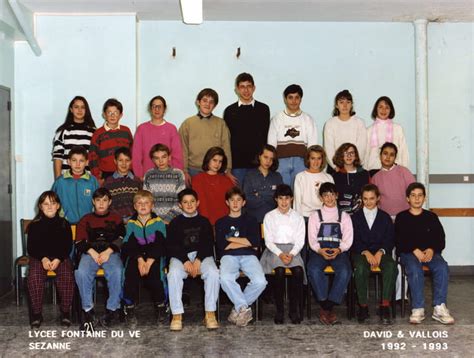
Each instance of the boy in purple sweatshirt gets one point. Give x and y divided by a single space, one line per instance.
330 236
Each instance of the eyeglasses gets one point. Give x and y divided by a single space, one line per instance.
113 113
349 154
157 106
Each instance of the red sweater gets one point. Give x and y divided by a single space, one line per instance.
103 146
211 190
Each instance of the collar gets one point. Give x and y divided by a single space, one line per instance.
370 212
387 170
190 215
204 117
68 174
288 213
107 128
240 103
129 175
293 114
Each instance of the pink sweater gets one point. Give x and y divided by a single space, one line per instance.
330 215
392 185
146 136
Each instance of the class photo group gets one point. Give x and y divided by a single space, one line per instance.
246 195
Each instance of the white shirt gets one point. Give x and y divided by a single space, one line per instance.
370 215
307 186
337 132
281 228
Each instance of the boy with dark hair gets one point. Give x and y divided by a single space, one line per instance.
107 139
75 186
190 247
237 242
420 239
372 247
291 132
201 132
98 241
330 236
248 121
164 182
144 253
123 185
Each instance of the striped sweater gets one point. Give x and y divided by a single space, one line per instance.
165 186
104 143
74 135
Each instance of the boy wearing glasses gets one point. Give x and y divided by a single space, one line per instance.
107 139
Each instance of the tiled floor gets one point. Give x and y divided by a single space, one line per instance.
263 339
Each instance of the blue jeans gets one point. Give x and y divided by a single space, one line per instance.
85 279
240 173
230 271
176 275
416 279
319 280
289 167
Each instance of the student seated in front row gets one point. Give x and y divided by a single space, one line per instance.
420 239
238 240
372 247
49 245
284 232
190 245
330 237
98 241
144 252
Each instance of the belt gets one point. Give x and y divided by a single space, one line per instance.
333 239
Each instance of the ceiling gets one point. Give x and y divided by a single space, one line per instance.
272 10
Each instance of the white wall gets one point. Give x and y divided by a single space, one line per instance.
96 56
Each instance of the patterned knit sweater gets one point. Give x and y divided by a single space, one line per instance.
122 188
165 186
104 143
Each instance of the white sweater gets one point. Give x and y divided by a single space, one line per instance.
372 156
289 132
337 132
307 187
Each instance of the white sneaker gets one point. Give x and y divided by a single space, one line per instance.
244 317
441 314
417 315
233 316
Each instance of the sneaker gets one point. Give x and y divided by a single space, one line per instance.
441 314
108 319
161 312
244 316
89 322
385 317
65 319
363 314
233 316
210 320
176 322
417 315
130 318
36 320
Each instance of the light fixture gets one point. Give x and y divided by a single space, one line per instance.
191 11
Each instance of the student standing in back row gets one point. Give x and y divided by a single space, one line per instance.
248 121
201 132
292 131
344 127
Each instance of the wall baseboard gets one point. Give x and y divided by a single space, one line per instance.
461 270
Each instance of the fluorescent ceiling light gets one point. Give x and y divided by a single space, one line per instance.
192 11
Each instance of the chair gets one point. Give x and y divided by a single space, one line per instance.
21 261
328 270
375 272
426 272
